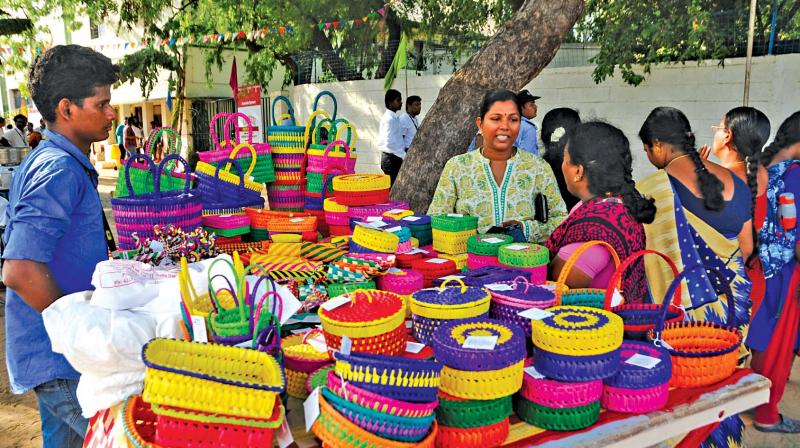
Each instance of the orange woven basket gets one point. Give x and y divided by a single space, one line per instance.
260 217
702 353
298 224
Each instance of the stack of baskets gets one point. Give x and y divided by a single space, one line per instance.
482 250
302 358
288 152
367 239
403 282
361 189
420 226
638 388
303 226
373 321
380 401
478 380
260 218
372 212
433 307
202 394
336 217
526 256
451 232
574 348
229 226
511 298
263 172
433 268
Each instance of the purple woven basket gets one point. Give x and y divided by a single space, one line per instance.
403 370
449 338
424 220
630 376
375 210
140 213
575 368
449 295
510 315
424 328
486 275
217 194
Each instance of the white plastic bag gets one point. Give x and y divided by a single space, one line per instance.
126 284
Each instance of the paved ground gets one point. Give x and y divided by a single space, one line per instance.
19 418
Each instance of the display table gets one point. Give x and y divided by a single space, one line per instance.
687 409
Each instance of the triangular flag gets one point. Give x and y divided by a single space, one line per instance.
382 11
327 25
282 30
289 29
336 24
233 81
241 35
358 22
320 25
365 19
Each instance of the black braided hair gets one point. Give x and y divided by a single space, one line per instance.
670 125
605 154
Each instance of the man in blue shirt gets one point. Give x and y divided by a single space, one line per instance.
527 140
55 234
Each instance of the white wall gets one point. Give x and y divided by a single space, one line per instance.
704 92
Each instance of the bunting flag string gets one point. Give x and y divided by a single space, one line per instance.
230 36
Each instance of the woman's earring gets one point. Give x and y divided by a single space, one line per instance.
576 178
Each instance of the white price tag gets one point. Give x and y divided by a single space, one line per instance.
549 286
412 218
417 251
409 324
640 360
311 409
616 298
374 219
395 211
492 240
199 329
455 215
296 220
457 277
225 216
480 342
516 247
394 271
437 260
534 373
347 345
284 435
332 304
414 347
535 314
394 229
499 287
318 342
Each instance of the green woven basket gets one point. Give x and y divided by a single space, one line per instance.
337 289
314 183
257 235
142 182
472 413
263 172
454 222
557 419
236 231
523 255
229 323
478 244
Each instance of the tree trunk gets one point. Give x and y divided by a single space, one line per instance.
395 33
510 59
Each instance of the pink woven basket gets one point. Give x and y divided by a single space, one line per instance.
219 153
559 394
402 282
318 164
477 261
366 211
337 218
503 298
642 402
226 221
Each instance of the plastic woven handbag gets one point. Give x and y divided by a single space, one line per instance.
337 152
639 318
288 152
702 353
141 177
591 297
211 378
140 213
263 171
217 192
400 378
635 389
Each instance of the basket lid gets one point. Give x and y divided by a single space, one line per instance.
364 306
450 338
417 220
521 290
487 244
525 255
454 222
455 296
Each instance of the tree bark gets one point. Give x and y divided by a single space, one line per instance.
510 59
395 33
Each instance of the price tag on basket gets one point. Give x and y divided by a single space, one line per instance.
516 247
412 218
455 215
374 219
296 220
199 329
534 373
347 345
284 435
311 409
640 360
480 342
456 277
414 347
535 314
318 342
499 287
492 240
417 251
394 271
395 211
394 229
437 261
332 304
616 298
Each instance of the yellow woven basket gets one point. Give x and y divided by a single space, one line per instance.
330 205
361 182
459 259
211 378
482 385
578 331
451 242
228 176
376 240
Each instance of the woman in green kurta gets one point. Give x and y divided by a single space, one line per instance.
499 183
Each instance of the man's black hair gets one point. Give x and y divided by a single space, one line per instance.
413 99
18 116
391 96
68 71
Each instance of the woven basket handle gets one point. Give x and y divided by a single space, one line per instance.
311 125
161 168
524 280
213 131
289 108
334 144
326 177
189 295
328 94
309 333
457 280
212 292
173 140
253 155
620 271
731 320
234 118
282 117
235 165
151 166
562 277
364 292
277 305
352 136
321 125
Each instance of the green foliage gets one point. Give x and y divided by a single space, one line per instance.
144 66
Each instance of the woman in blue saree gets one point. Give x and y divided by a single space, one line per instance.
703 217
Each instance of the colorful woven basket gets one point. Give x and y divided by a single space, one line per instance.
702 353
449 339
481 437
298 224
451 242
454 222
482 385
318 378
558 394
211 378
455 412
263 172
639 318
138 423
557 419
141 177
432 268
431 307
300 359
533 258
487 244
511 298
338 289
361 189
377 402
591 297
375 240
636 389
371 320
400 378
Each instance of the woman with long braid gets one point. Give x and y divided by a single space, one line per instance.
775 338
703 217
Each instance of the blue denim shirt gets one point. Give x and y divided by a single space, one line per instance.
54 217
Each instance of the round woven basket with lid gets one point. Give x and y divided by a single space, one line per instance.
524 255
487 244
369 313
449 340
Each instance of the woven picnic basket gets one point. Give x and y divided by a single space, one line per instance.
139 213
361 189
511 298
433 268
702 353
211 378
432 307
373 320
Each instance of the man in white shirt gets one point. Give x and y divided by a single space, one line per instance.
408 121
390 136
16 136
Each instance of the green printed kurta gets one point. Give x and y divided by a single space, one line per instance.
467 186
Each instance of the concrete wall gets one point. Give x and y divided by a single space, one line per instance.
704 92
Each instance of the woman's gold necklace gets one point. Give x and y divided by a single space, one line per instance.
676 158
